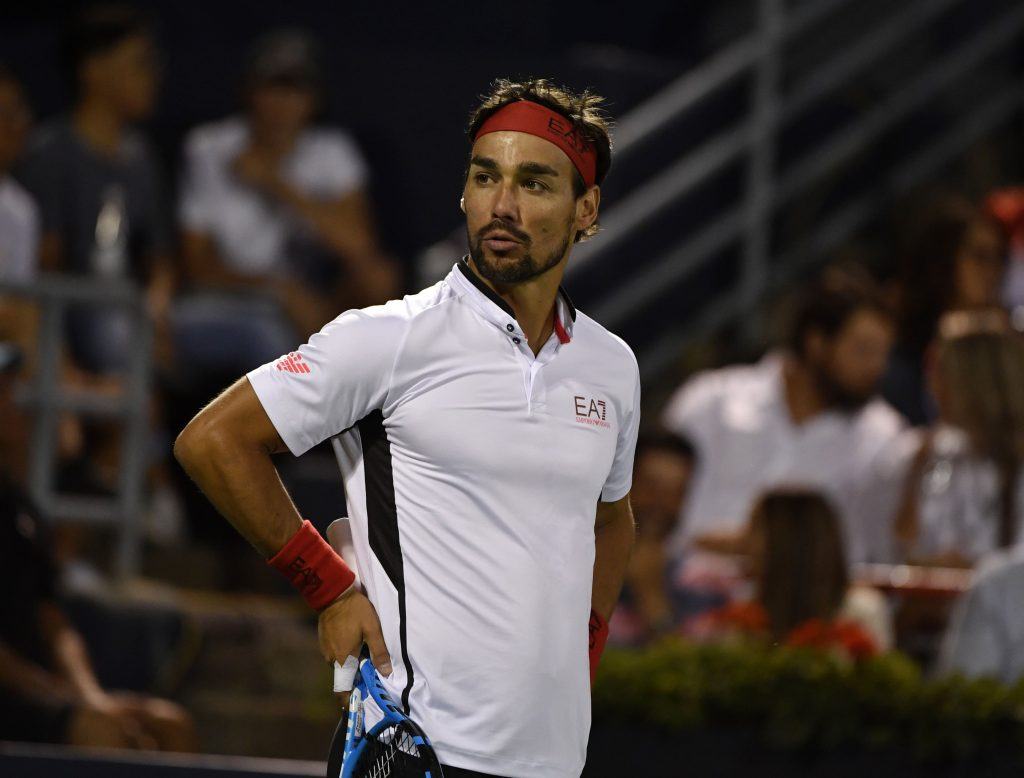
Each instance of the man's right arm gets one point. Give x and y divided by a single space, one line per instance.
226 449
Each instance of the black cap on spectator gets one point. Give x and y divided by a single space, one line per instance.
10 357
285 57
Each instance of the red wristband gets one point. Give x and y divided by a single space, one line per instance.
598 637
313 567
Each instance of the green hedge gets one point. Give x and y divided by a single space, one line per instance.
806 699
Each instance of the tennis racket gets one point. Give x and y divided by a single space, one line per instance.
394 747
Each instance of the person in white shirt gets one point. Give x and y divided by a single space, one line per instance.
806 416
985 636
485 431
963 495
275 218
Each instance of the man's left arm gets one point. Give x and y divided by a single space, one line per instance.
614 532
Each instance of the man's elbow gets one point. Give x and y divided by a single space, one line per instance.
196 444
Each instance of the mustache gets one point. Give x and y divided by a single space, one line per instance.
498 224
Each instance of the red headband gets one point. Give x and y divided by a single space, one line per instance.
535 119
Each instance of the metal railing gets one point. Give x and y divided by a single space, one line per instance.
47 398
769 184
767 187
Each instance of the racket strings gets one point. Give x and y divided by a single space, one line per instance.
391 754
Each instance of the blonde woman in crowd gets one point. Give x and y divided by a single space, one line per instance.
963 494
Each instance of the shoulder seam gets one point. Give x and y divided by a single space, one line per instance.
405 336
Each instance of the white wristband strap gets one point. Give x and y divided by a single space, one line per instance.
345 674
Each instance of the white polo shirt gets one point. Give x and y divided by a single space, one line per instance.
473 471
747 443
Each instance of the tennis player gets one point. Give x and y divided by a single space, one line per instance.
485 431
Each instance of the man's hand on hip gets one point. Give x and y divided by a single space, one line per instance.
346 624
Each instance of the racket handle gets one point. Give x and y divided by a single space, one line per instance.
354 729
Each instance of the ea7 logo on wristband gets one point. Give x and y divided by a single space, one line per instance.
303 577
591 411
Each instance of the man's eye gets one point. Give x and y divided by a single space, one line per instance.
482 178
534 185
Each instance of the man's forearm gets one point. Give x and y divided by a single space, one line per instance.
237 475
613 539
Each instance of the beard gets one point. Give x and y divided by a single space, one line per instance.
513 270
839 396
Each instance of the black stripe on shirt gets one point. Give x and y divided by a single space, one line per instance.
382 522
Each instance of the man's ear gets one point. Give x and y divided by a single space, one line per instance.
462 203
586 208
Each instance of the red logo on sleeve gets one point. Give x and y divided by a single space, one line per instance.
293 363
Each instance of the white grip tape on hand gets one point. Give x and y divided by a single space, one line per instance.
345 674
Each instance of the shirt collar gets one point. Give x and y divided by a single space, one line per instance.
499 313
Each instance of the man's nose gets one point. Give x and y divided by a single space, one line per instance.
505 205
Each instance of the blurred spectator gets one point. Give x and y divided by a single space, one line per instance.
662 469
274 212
963 491
985 637
807 415
1007 208
48 690
96 180
19 217
952 258
802 591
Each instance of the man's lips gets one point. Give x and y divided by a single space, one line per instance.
500 241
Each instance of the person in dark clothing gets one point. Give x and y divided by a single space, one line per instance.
48 689
952 258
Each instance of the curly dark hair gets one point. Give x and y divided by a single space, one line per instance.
584 110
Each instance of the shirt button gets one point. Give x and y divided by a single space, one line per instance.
516 341
509 327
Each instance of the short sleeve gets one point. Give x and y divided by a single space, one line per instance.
340 169
691 413
620 477
195 187
338 377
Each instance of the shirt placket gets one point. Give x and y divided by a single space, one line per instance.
534 385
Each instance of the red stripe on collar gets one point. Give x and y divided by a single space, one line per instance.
563 336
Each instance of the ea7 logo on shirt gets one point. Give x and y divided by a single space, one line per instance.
292 363
590 411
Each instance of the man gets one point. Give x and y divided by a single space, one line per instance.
277 234
49 691
478 424
663 467
96 181
806 416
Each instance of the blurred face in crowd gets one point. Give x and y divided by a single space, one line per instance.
14 122
521 210
849 365
979 267
278 112
660 480
125 76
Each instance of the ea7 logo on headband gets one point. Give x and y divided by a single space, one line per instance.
564 129
590 411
